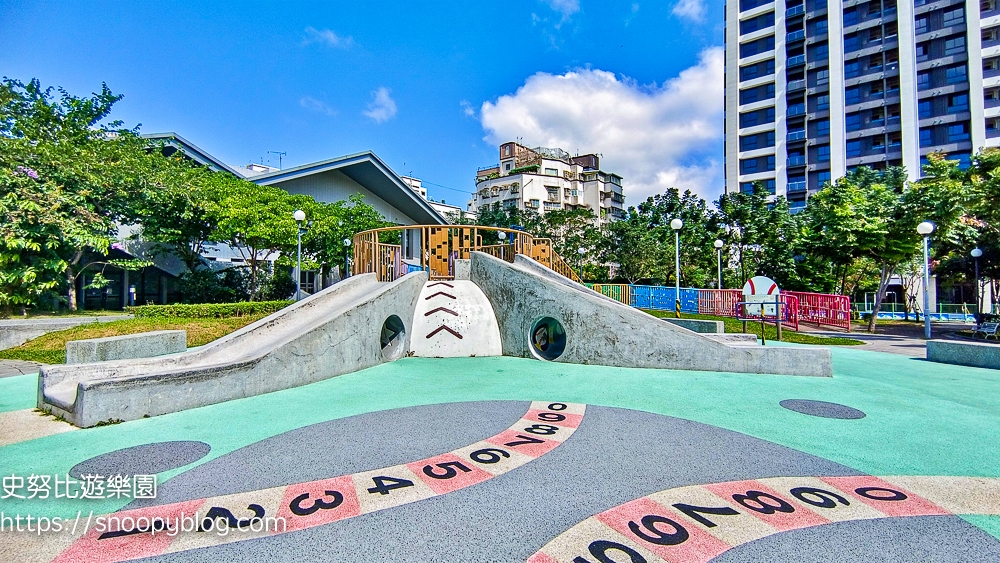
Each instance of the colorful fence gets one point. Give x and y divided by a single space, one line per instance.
815 308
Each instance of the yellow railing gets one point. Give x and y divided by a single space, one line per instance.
435 248
618 292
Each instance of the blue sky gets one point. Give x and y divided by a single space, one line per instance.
431 90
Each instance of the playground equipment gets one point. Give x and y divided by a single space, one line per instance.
440 292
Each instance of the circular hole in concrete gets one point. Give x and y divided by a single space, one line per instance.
147 459
392 338
822 409
547 338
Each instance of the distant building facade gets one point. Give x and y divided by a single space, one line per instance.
544 179
452 213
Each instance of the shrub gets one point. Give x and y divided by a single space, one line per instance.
211 286
207 310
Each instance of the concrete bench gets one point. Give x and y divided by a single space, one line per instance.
128 347
975 354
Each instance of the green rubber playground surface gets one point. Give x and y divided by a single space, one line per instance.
921 418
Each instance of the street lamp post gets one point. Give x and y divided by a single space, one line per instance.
503 240
299 216
925 229
581 251
676 225
718 250
976 253
347 260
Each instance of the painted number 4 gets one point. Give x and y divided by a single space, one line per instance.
385 484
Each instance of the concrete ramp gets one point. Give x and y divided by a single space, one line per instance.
545 315
454 319
352 325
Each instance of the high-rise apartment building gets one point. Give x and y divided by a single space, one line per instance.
815 88
543 179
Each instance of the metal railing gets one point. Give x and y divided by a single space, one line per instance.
436 247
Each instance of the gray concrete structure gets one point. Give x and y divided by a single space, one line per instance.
600 330
698 325
127 347
975 354
14 332
336 331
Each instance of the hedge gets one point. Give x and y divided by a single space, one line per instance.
207 310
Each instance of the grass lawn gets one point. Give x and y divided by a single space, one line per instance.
51 348
771 332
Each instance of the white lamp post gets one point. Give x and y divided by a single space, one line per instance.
347 260
676 225
976 253
718 249
581 251
925 229
503 240
299 216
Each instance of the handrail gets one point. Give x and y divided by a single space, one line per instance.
434 249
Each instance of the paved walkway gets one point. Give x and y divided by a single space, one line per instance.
9 368
903 339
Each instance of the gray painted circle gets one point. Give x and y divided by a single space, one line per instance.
822 409
147 459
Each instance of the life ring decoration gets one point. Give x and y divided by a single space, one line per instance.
760 290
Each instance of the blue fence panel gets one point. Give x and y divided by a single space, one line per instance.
662 298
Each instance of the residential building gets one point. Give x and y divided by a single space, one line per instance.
452 213
542 179
817 88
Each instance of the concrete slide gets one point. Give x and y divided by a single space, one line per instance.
547 316
352 325
454 319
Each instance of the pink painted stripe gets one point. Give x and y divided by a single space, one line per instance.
662 528
513 437
541 558
460 480
318 498
885 496
92 549
798 517
548 417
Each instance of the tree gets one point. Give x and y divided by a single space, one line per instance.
762 234
628 244
332 223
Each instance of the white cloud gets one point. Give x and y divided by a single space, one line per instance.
565 7
382 107
655 136
328 37
693 10
313 104
467 108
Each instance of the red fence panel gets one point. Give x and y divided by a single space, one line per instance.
824 309
719 302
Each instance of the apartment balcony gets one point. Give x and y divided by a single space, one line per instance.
990 73
991 103
796 161
796 85
992 133
794 187
795 36
795 110
796 135
795 11
797 60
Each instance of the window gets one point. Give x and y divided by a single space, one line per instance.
763 68
956 74
926 137
954 46
761 45
925 109
748 166
751 4
923 80
822 77
506 150
751 95
823 102
920 25
922 52
850 17
769 163
958 102
823 178
756 24
954 17
821 53
852 43
823 153
747 187
507 167
964 160
821 27
759 117
958 132
852 95
852 122
823 128
853 149
852 69
533 203
551 172
759 141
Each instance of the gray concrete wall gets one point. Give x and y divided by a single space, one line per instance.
334 332
602 331
975 354
698 325
15 332
128 347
